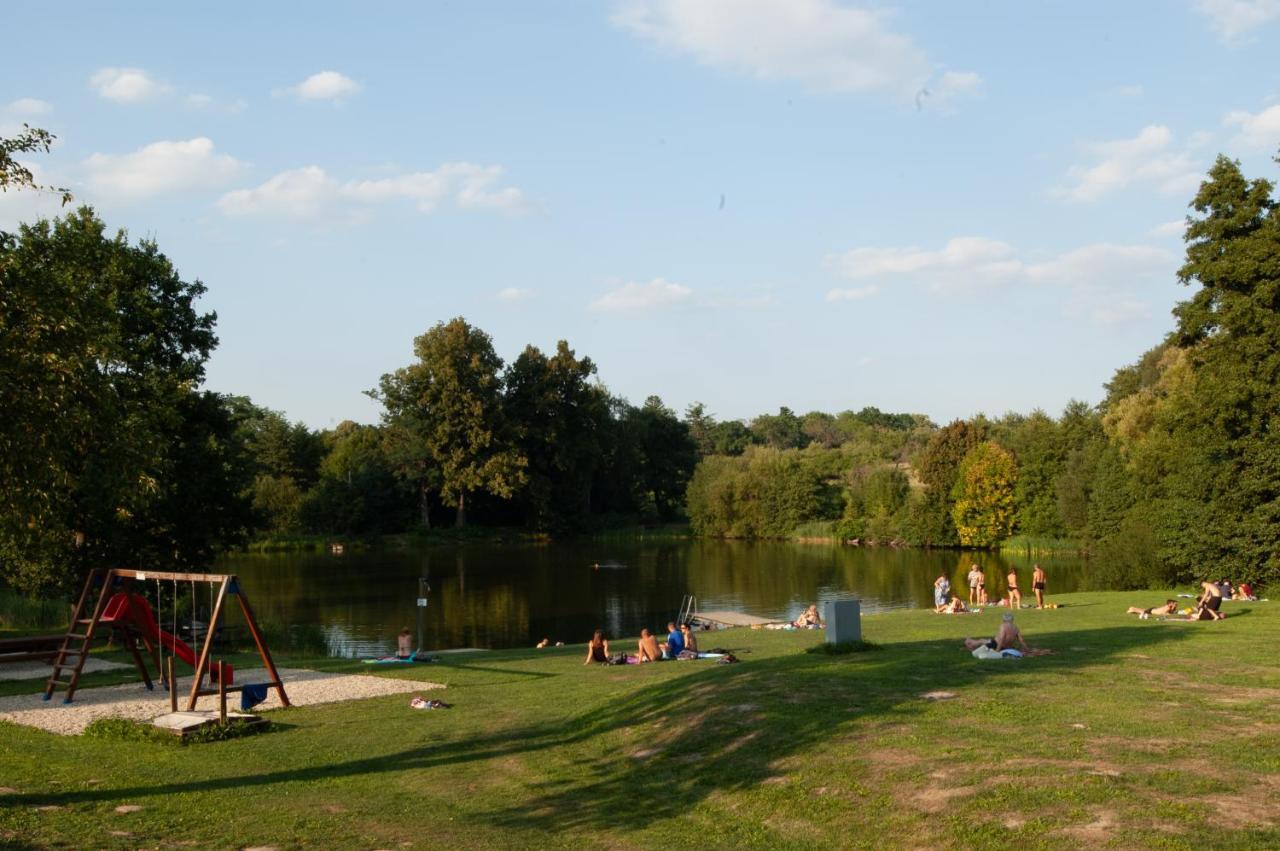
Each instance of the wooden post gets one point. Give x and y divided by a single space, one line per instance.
173 689
262 646
222 693
202 664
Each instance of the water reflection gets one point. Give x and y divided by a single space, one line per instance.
507 596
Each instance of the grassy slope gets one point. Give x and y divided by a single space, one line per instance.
1137 734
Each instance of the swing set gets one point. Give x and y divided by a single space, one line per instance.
126 612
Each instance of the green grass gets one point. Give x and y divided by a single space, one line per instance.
1131 734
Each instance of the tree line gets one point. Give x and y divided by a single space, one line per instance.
112 453
1175 475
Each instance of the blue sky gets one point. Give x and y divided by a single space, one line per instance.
924 207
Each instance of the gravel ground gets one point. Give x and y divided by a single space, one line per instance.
41 670
132 700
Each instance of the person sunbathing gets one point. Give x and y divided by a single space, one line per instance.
809 620
647 649
955 607
1006 637
1169 608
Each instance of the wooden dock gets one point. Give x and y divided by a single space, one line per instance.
722 620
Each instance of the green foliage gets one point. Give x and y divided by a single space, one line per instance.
765 493
559 418
984 507
780 431
105 444
447 408
15 175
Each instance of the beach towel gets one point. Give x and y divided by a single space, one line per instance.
253 694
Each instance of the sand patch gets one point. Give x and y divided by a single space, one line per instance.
132 700
42 670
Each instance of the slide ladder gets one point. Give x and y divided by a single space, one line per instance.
69 661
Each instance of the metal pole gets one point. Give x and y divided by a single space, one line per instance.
424 589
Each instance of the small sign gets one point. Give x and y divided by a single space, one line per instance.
141 576
422 602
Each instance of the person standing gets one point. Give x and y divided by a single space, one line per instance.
1015 596
941 591
975 576
1037 585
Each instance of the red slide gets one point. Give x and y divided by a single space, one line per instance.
140 616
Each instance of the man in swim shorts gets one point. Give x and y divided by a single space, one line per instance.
1006 637
1037 585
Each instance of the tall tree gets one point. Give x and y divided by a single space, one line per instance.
558 417
984 509
448 407
100 349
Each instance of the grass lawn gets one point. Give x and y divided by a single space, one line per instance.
1137 734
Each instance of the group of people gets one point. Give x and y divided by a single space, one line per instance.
944 602
680 640
1208 605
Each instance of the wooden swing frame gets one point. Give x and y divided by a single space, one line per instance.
117 580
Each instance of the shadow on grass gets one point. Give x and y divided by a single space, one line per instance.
716 728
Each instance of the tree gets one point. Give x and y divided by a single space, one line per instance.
357 492
985 509
782 431
15 175
558 417
666 454
932 516
448 408
101 348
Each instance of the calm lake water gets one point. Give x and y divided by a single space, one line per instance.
513 596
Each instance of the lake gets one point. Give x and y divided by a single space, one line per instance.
513 596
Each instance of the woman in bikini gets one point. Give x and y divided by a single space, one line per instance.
598 649
1015 596
690 640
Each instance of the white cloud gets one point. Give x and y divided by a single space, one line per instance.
818 43
126 85
198 102
324 85
513 294
1146 159
160 167
1097 280
632 297
1131 91
310 192
955 84
852 294
29 107
1261 131
1232 19
1174 228
965 262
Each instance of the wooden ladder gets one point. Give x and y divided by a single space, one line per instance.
75 647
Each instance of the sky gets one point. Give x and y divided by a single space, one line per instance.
937 208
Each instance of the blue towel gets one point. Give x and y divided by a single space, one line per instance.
252 695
